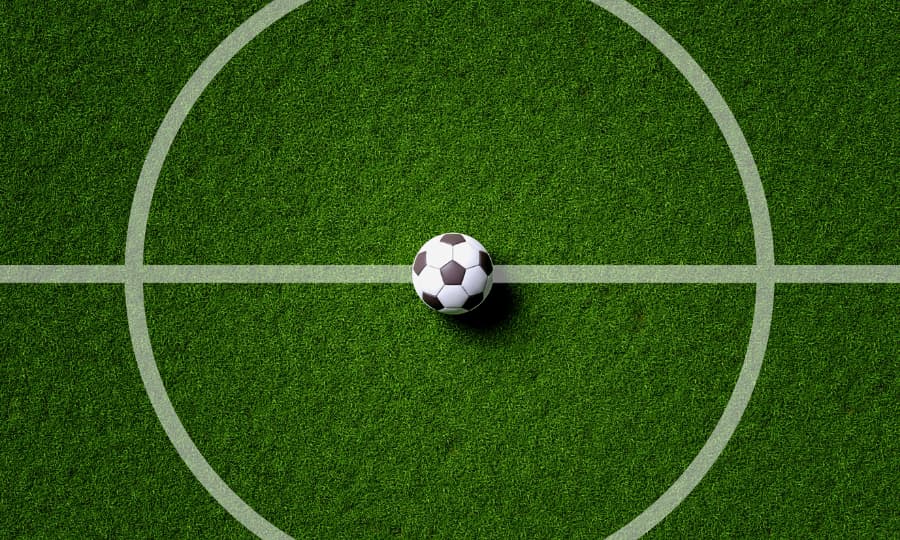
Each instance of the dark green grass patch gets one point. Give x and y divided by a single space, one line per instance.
816 454
83 87
815 86
353 410
351 133
83 455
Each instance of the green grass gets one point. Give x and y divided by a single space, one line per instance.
816 91
83 454
83 88
351 132
816 453
568 140
345 409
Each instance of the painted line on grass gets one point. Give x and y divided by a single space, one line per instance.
278 274
725 427
174 428
400 273
837 273
203 76
697 274
61 273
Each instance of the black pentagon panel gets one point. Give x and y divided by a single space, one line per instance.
452 239
419 263
484 261
473 301
432 301
453 273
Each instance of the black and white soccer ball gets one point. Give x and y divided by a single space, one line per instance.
453 273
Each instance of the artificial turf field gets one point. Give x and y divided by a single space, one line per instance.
350 133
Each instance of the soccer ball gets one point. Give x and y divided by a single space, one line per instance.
453 273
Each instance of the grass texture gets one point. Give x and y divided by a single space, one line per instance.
367 129
350 133
416 424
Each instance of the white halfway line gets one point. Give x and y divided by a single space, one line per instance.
401 273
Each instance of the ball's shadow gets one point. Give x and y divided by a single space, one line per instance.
496 310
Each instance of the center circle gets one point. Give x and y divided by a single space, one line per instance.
274 11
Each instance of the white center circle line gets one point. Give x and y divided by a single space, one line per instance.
221 55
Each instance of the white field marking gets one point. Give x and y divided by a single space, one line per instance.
502 273
349 273
627 274
837 273
697 274
93 273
